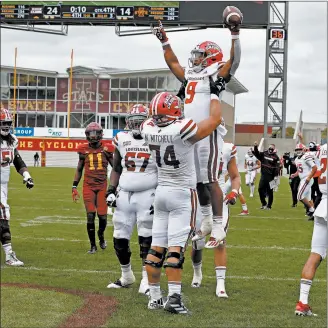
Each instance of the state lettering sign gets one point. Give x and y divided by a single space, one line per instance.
84 95
29 105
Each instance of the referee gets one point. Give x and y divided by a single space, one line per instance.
270 166
293 182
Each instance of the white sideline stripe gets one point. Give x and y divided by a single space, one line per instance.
136 243
163 274
236 216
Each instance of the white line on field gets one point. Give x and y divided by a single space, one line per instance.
236 216
139 273
274 247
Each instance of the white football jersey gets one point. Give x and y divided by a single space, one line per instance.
250 162
322 180
197 93
7 157
174 154
304 165
139 169
229 151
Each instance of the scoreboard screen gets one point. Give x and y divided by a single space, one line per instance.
75 14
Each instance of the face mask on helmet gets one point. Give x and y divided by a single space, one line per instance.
299 152
250 154
134 122
162 120
197 58
5 127
94 136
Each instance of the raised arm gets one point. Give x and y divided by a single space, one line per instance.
257 153
169 55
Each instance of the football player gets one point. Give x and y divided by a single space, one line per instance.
206 61
319 241
171 141
252 164
135 173
94 157
306 168
9 155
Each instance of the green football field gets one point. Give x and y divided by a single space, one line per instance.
63 286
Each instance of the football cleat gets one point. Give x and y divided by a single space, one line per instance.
144 287
156 304
102 241
12 260
243 212
304 310
251 195
263 207
221 293
92 250
174 305
122 282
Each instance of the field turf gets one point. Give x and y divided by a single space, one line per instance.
266 253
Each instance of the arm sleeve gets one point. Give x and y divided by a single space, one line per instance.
257 154
236 58
188 130
18 161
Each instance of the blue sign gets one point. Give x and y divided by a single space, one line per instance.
115 132
24 132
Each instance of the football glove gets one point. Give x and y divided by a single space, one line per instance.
75 194
28 180
160 32
111 196
181 92
231 197
218 86
151 210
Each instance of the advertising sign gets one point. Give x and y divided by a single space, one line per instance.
29 105
63 133
24 132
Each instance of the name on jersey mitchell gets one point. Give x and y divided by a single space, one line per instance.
159 138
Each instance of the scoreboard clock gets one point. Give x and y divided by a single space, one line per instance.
277 34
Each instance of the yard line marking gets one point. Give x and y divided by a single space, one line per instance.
163 274
274 247
236 216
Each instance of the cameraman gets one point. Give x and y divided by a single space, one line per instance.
293 182
270 166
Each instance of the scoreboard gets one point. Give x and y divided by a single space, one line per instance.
76 14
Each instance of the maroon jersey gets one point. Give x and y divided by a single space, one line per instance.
96 162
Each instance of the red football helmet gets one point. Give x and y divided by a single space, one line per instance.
300 149
6 122
165 108
204 55
94 132
137 115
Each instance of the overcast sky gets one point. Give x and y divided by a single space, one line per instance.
99 46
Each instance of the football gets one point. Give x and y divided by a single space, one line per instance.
232 16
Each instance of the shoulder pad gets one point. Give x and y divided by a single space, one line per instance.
81 148
109 148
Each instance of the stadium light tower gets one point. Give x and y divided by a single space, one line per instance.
275 94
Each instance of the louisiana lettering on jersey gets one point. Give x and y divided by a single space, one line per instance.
96 162
174 159
228 152
139 169
7 157
304 165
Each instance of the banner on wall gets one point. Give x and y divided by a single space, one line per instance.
85 95
29 105
24 132
63 133
49 144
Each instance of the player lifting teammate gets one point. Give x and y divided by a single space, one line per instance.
94 156
171 141
9 155
206 61
135 173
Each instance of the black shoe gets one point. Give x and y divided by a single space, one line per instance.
268 208
102 241
92 250
294 205
174 305
263 207
310 214
311 218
